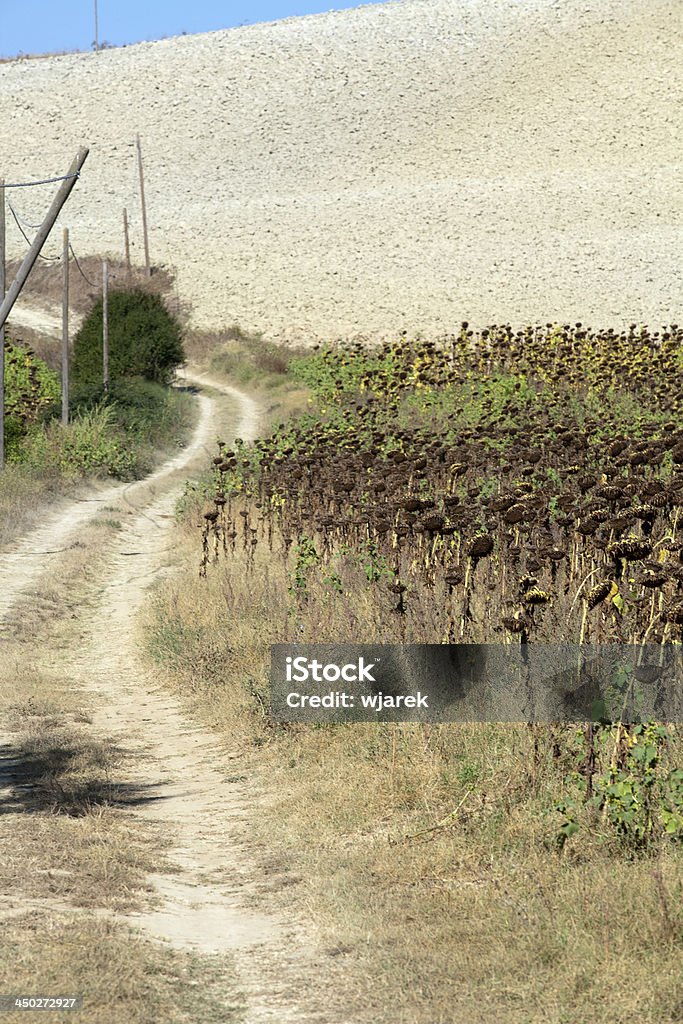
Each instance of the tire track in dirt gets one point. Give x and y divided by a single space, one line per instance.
23 565
205 813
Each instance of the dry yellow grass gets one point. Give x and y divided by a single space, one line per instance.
25 494
122 978
65 834
480 918
250 362
73 852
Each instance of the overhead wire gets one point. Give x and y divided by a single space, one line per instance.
48 259
43 181
19 220
34 227
80 269
17 216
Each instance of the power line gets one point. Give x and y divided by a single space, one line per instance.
48 259
17 216
43 181
80 270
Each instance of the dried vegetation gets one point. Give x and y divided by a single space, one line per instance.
489 488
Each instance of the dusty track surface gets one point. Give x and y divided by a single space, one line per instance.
403 165
201 801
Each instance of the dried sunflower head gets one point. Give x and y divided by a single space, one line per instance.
514 514
433 522
481 546
599 593
651 579
527 581
554 554
515 623
454 576
632 549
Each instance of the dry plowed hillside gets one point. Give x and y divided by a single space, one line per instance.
405 165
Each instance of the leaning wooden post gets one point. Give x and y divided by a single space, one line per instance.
148 269
2 327
105 325
126 240
39 241
65 327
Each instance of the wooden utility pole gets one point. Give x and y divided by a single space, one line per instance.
105 325
97 29
39 241
2 328
126 240
65 327
148 269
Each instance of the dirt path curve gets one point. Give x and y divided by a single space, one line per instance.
31 557
204 904
45 320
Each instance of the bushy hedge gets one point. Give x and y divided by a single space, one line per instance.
32 391
116 434
145 340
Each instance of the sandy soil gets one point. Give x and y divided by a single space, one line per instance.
203 802
403 165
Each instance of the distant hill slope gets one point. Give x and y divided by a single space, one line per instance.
406 165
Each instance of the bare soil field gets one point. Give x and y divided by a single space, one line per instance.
400 166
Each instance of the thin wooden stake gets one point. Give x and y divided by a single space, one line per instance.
126 240
105 325
148 269
2 326
65 327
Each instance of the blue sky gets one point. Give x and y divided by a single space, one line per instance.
45 26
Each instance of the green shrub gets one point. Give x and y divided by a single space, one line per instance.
90 444
31 392
116 434
145 340
138 404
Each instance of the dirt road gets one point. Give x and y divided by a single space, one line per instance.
198 803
